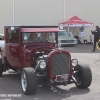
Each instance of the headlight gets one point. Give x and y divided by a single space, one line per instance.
74 62
42 64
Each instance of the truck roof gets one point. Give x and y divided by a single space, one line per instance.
25 26
36 28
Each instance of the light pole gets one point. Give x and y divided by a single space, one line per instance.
13 12
64 9
65 13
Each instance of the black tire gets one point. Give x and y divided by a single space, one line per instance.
31 81
83 76
1 68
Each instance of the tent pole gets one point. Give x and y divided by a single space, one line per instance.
68 28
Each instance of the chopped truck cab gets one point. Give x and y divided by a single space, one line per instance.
35 51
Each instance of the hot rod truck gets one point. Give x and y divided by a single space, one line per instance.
34 50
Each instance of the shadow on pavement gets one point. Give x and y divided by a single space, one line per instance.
10 84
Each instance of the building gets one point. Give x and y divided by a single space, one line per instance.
48 12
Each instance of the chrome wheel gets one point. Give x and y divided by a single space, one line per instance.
24 81
28 81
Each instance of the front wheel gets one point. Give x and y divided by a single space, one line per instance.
28 81
83 76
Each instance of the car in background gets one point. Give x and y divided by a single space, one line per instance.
1 36
2 42
65 40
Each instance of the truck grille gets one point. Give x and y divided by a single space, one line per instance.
60 64
67 41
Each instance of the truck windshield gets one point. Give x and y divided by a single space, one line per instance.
62 33
42 37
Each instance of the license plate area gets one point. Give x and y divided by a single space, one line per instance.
62 78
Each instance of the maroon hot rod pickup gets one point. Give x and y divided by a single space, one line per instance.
35 51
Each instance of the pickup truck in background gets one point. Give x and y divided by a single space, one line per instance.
65 40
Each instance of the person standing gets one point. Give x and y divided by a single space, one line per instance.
81 34
96 36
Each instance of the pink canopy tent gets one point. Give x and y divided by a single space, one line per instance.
76 22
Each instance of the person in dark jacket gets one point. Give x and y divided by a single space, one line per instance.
96 36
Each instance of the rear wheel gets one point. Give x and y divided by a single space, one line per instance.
28 81
1 67
83 76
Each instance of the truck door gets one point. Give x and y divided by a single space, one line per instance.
13 50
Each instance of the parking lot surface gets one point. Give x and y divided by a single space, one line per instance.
10 87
